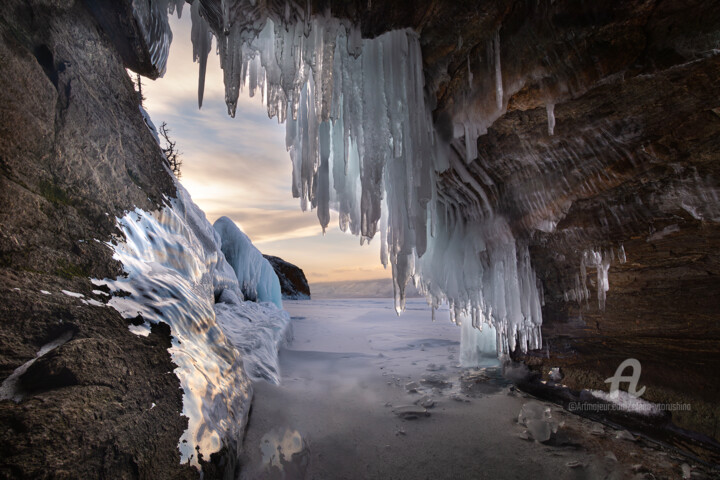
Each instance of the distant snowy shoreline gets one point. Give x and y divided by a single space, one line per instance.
377 288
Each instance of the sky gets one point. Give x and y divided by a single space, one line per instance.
239 168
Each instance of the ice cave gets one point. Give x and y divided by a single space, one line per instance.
536 183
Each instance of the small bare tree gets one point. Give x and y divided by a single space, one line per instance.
170 150
138 85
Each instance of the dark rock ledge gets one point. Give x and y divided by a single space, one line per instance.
293 283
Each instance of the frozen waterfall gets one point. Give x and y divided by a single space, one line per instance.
362 141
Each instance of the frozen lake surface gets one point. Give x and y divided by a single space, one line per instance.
356 381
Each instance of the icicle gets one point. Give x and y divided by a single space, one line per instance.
201 37
550 107
601 261
498 72
470 74
176 5
361 139
471 138
323 180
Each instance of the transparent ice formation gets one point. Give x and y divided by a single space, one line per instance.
257 330
177 274
537 418
600 260
478 346
550 107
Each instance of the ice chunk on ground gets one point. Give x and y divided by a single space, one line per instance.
426 402
436 380
597 429
625 435
628 402
410 412
92 302
537 418
412 387
539 429
459 398
73 294
555 374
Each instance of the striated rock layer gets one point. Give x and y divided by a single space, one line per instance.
608 149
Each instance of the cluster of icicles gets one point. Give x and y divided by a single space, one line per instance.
601 261
362 142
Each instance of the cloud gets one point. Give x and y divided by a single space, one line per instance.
357 269
317 274
180 82
271 225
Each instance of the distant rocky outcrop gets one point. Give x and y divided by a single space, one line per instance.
293 283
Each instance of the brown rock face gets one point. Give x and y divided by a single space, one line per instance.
293 284
632 162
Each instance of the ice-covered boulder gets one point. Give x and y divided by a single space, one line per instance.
255 275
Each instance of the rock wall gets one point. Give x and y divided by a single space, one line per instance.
631 163
74 154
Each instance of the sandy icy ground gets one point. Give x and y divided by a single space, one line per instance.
345 375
